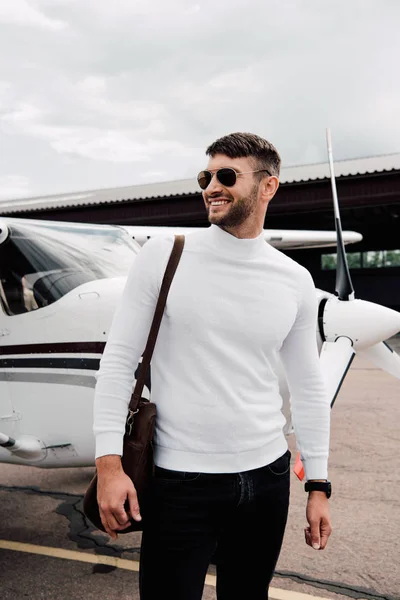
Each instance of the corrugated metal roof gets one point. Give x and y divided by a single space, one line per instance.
354 166
298 173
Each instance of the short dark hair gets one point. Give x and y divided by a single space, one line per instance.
238 145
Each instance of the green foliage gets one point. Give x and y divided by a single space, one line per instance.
371 259
354 260
328 262
392 258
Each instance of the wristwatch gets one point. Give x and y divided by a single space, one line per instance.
319 486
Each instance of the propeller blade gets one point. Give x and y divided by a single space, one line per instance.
344 286
335 359
383 357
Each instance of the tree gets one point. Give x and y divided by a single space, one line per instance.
328 262
392 258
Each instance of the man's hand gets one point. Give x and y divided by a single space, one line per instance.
319 520
114 487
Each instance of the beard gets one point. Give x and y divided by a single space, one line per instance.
239 210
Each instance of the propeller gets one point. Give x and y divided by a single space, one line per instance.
348 325
344 286
383 357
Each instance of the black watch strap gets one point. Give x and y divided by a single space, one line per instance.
319 486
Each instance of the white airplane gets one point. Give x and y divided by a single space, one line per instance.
59 284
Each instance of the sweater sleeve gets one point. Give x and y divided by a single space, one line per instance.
309 400
125 345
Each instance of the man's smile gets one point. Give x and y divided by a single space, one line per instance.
219 202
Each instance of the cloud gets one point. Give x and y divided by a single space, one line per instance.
23 13
23 115
127 145
14 186
95 96
138 83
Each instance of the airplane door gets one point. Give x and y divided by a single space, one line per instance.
5 392
6 410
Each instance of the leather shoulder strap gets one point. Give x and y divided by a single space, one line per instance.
155 326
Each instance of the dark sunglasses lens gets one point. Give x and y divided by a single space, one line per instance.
227 177
203 179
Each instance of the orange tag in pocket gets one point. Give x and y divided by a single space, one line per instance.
298 468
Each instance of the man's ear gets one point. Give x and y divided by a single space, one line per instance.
269 187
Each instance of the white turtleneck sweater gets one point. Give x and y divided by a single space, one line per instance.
235 307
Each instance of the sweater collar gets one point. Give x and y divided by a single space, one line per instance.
239 247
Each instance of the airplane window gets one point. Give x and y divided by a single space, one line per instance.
41 262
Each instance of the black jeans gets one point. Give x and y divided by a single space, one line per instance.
236 520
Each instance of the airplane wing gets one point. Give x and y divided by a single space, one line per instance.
284 239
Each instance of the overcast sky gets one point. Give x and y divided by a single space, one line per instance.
100 93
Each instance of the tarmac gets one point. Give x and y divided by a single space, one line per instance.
49 551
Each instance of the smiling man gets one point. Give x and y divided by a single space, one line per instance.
236 305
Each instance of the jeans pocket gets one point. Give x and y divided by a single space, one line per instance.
281 465
170 476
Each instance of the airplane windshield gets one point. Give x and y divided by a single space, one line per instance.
41 262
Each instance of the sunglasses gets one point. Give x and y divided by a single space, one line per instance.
227 177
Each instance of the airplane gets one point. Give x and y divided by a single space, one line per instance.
284 239
59 285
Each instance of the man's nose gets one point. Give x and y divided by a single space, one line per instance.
214 186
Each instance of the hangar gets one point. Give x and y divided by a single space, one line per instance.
369 196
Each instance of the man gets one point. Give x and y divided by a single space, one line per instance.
236 305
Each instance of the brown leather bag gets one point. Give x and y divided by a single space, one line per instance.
137 456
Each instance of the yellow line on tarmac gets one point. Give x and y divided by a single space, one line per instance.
123 563
113 561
